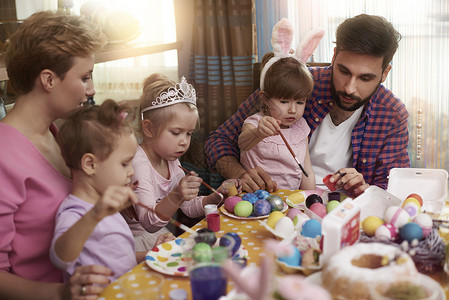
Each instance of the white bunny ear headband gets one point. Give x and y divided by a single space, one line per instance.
281 40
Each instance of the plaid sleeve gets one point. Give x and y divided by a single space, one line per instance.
224 140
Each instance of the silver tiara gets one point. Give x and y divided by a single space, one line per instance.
181 92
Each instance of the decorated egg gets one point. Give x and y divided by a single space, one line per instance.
330 185
299 220
412 209
205 235
411 231
243 209
262 207
396 216
202 252
292 212
225 241
411 200
331 205
262 194
313 198
284 227
296 198
386 231
333 196
294 259
250 197
273 218
370 225
319 209
416 196
230 203
425 222
276 202
311 228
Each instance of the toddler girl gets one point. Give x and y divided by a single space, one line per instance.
285 85
169 117
98 144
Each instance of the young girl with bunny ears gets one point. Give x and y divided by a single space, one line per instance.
98 144
285 85
169 117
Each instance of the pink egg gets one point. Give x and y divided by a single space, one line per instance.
425 222
292 212
319 209
230 202
396 216
386 231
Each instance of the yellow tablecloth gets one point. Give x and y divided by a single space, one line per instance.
252 235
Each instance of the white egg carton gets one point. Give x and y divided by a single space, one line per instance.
430 184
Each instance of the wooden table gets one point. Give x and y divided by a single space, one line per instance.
253 235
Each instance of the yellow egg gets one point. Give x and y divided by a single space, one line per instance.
296 198
370 224
411 199
273 218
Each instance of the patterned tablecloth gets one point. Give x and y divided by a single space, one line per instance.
253 235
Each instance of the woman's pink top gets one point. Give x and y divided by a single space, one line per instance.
272 155
31 191
152 188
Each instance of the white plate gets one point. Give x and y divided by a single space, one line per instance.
167 258
230 214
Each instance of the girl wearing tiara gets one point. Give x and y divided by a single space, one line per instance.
98 144
285 85
169 117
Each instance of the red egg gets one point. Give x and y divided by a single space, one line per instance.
319 209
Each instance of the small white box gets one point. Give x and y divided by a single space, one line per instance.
430 184
340 228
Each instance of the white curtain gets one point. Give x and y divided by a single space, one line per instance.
122 79
419 74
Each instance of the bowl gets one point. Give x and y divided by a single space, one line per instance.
7 28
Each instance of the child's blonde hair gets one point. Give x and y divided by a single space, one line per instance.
153 86
94 129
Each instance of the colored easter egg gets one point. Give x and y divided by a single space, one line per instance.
412 200
296 198
276 202
262 207
205 235
412 209
396 216
311 228
313 198
262 194
386 231
243 209
425 222
292 212
417 197
319 209
294 259
202 252
273 218
370 225
250 197
331 205
225 241
299 220
411 231
330 185
334 196
284 227
230 203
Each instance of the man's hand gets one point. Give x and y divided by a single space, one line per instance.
350 180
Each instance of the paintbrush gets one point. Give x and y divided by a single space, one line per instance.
293 153
206 185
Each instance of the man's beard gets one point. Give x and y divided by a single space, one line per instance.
360 102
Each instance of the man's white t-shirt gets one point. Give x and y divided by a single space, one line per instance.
330 146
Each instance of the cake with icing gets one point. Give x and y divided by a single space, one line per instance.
351 272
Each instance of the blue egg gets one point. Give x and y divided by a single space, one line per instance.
262 194
311 228
411 231
252 198
262 207
225 241
293 260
